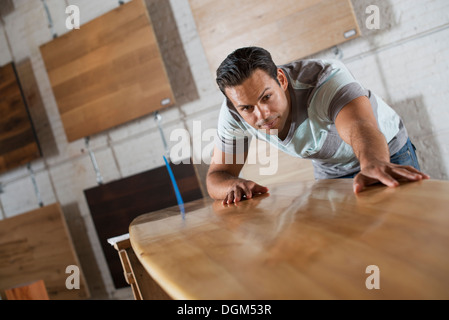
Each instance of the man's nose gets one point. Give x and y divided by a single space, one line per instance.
262 112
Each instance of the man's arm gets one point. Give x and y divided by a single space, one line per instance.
223 182
357 126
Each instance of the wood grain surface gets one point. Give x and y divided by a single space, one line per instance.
108 72
303 240
114 205
36 245
290 30
31 291
18 141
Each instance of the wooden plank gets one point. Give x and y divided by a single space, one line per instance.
108 72
303 240
32 291
142 285
147 288
114 205
18 141
289 29
129 277
37 246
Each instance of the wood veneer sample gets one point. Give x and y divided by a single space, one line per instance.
36 245
290 30
108 72
18 142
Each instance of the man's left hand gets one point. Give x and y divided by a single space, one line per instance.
387 173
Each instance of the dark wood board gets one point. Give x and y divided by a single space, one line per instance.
18 141
115 205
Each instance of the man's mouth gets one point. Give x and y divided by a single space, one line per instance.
270 124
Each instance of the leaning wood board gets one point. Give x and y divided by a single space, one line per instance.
304 240
37 246
108 72
289 29
114 205
18 141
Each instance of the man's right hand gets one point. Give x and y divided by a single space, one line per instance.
223 182
243 188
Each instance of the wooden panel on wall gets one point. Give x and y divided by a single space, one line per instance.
289 29
32 291
37 246
18 142
108 72
114 205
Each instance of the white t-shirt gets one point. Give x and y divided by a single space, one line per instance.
319 89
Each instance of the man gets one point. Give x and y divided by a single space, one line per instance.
311 109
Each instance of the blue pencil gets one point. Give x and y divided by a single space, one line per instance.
175 186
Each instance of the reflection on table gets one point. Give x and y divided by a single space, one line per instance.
304 240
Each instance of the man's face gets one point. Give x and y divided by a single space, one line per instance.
263 103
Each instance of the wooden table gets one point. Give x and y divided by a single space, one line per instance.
304 240
142 285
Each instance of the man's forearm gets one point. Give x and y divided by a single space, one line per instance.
369 144
357 126
218 183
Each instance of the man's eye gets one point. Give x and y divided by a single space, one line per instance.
246 108
265 98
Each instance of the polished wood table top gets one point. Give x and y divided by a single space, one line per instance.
304 240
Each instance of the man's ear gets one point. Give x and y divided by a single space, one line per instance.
282 78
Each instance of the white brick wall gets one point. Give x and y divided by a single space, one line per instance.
406 62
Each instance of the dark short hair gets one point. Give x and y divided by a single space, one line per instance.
240 65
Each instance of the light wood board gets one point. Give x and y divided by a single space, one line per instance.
37 246
304 240
108 72
289 29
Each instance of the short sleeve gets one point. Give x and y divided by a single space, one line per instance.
335 92
232 136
